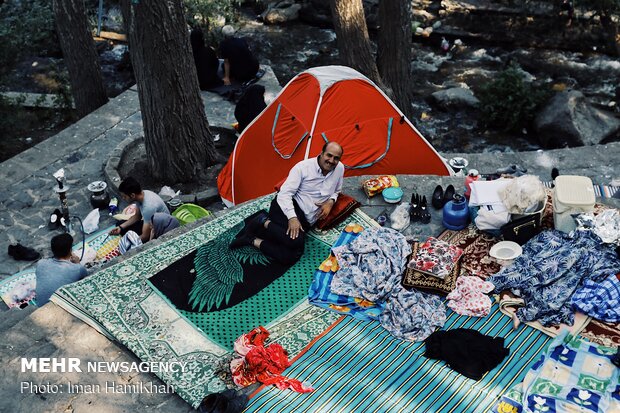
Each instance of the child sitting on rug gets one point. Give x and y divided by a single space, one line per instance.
63 269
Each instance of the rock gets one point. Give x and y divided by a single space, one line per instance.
455 98
281 12
570 120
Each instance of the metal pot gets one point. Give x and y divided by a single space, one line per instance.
99 197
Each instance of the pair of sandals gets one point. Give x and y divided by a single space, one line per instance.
441 197
419 209
512 170
56 220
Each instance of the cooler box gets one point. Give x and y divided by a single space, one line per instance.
571 195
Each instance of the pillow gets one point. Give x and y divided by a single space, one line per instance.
344 206
424 281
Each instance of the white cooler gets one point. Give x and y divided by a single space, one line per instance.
571 195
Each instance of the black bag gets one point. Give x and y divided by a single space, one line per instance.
521 230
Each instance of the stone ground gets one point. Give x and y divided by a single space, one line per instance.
27 198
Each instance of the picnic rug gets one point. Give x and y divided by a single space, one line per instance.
357 366
120 302
19 289
226 293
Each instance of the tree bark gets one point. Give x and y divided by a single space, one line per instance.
178 141
353 40
394 51
80 55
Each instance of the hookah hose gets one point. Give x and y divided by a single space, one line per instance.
83 235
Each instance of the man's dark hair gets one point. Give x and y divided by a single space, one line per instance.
61 245
130 186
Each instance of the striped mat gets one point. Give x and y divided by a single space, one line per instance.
357 366
600 191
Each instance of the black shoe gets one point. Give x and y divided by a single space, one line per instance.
425 215
21 253
448 195
554 173
54 222
243 239
227 401
437 199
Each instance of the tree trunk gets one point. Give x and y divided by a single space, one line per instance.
80 55
178 141
353 41
394 51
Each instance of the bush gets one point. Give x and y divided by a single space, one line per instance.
208 14
509 102
26 26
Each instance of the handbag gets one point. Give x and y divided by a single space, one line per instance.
522 229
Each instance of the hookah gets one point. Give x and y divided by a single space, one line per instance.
61 190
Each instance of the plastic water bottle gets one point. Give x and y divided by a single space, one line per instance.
472 176
113 206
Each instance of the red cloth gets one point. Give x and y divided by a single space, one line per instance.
263 364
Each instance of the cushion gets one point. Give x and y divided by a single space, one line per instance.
344 206
424 281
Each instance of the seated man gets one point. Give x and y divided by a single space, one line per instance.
148 204
64 268
240 65
307 195
206 61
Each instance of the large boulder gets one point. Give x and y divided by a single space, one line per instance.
454 98
569 120
281 12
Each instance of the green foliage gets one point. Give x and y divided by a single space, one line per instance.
26 26
209 13
63 98
509 102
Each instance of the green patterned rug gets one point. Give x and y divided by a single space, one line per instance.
121 303
224 326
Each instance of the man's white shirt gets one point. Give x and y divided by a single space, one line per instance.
307 185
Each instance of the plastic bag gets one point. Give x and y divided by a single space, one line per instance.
523 194
91 222
400 217
376 185
167 191
90 255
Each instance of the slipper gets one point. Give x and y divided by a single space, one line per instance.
54 221
448 195
437 198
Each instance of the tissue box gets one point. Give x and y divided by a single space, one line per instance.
571 195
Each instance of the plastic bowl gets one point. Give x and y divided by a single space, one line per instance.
392 195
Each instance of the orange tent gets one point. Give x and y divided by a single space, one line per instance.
330 103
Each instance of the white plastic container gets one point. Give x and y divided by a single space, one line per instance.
572 195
